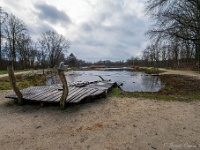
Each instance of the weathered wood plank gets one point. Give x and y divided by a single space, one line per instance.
40 96
81 97
75 95
97 93
35 95
56 97
27 91
50 96
101 88
82 93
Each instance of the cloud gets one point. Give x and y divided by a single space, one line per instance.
36 30
52 15
113 33
97 29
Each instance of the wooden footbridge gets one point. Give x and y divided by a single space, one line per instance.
63 93
77 92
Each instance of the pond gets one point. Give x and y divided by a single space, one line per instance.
132 81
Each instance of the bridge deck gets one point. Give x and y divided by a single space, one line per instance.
76 93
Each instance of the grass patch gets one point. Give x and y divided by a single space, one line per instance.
6 72
177 88
23 81
151 70
3 72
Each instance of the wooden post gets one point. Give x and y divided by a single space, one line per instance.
65 88
14 86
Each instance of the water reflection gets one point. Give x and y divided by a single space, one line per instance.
132 81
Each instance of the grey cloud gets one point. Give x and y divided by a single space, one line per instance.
86 27
111 29
119 41
37 29
52 14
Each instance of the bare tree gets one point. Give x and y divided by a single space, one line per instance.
3 16
52 45
176 19
24 48
14 28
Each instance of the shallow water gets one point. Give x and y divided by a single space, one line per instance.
132 81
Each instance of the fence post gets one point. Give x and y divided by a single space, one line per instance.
65 88
14 86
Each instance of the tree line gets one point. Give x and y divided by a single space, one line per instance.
73 61
19 50
175 35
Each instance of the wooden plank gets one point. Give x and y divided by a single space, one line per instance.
33 90
56 98
53 93
38 96
11 94
81 97
97 87
27 91
83 92
73 95
35 95
50 96
97 93
43 95
106 86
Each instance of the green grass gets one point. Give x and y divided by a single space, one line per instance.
3 72
23 81
177 88
6 72
151 70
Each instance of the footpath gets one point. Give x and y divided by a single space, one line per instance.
22 72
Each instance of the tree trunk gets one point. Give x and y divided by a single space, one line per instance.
198 53
0 48
65 88
14 86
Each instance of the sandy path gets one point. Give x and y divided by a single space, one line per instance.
110 124
22 72
195 74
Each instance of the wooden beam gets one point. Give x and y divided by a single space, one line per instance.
14 85
65 88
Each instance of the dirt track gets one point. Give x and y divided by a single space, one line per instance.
195 74
112 124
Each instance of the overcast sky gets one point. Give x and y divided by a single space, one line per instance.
98 29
